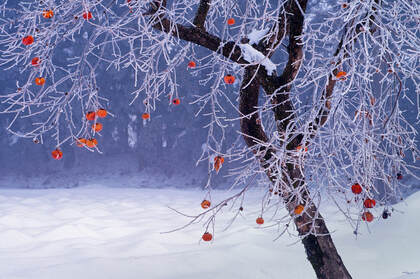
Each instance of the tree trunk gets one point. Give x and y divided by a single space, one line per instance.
315 236
319 247
321 251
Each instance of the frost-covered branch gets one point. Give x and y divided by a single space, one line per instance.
340 81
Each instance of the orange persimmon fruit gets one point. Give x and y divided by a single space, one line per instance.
57 154
356 188
101 113
87 15
28 40
90 115
47 13
35 61
39 81
207 236
205 204
176 101
231 21
299 148
219 158
369 203
81 142
260 221
145 116
299 209
91 143
341 75
229 79
367 216
97 127
192 64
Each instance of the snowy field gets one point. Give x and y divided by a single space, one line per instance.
101 232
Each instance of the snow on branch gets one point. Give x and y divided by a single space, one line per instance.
257 35
253 56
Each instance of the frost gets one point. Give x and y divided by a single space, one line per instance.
132 117
252 55
204 147
115 135
386 136
323 6
256 35
164 142
132 136
13 139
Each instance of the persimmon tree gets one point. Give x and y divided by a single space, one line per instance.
320 88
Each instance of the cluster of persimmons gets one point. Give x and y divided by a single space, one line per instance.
91 115
29 40
356 189
96 128
229 79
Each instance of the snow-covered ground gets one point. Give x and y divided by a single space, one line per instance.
101 232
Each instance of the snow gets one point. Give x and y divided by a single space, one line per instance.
252 55
104 232
131 131
13 139
256 35
410 275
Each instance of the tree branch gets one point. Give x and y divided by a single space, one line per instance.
310 225
200 37
195 35
201 15
324 111
295 21
278 32
248 107
280 86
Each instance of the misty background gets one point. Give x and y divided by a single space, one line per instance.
162 152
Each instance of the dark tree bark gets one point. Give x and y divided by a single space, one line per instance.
320 249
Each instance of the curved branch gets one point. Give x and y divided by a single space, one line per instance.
199 36
196 35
